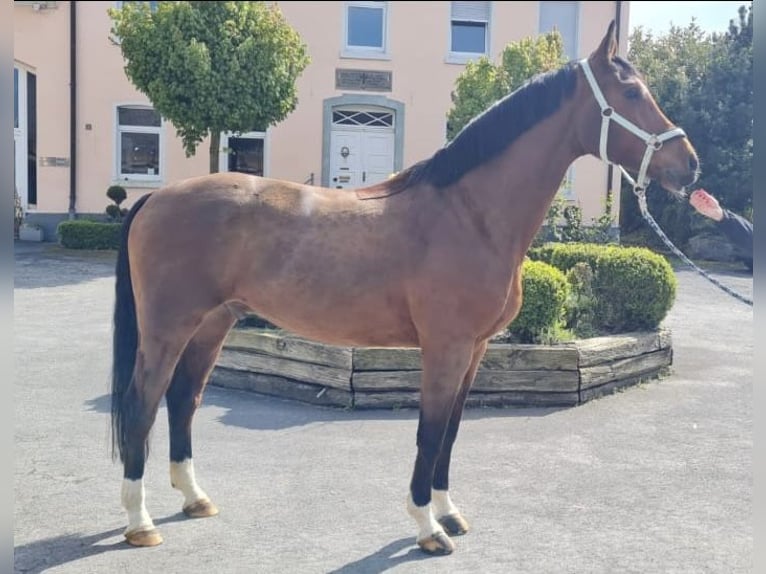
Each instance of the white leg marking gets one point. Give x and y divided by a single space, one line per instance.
442 504
182 478
427 525
133 502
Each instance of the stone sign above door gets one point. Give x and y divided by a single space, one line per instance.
365 80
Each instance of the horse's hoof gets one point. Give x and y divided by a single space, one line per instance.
454 524
144 538
201 509
438 544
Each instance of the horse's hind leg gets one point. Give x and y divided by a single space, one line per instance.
155 360
445 511
445 365
184 397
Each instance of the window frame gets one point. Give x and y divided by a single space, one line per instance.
457 57
130 179
223 151
118 4
578 20
365 52
153 5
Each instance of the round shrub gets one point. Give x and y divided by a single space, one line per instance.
564 256
545 289
117 193
580 305
114 211
634 289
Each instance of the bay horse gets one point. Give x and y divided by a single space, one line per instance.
430 258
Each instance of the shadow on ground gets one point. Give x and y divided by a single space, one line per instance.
385 558
254 411
42 555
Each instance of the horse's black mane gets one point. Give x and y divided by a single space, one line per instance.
489 133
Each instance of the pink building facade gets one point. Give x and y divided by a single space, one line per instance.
373 100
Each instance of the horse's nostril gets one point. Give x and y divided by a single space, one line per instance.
693 163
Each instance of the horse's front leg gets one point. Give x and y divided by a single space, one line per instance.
445 364
444 510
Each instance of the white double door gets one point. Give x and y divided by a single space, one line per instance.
360 157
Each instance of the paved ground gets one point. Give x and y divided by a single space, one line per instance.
653 479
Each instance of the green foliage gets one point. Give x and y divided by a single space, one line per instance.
18 214
117 194
573 230
545 291
482 83
630 289
634 288
704 83
550 230
211 67
564 256
114 212
581 305
84 234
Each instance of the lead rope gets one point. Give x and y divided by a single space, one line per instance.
653 143
641 196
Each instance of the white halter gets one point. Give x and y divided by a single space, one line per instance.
653 142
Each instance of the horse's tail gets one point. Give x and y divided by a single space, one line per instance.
125 335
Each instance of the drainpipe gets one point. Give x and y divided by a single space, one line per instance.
72 108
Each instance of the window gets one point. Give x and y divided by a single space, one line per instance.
116 40
564 17
469 28
244 153
152 5
365 28
139 135
350 117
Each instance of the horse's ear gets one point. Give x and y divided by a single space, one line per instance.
608 47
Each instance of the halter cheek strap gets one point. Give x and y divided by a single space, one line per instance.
653 142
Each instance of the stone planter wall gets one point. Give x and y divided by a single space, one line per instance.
569 374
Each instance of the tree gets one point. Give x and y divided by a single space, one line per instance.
704 83
482 83
209 67
673 66
725 111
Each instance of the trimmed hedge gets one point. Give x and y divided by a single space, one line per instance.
633 287
545 290
564 256
84 234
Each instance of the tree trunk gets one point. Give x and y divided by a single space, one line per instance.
215 143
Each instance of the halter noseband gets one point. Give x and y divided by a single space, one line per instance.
653 142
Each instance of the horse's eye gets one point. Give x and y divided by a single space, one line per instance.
633 93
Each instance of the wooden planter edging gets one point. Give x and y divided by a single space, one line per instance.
566 374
